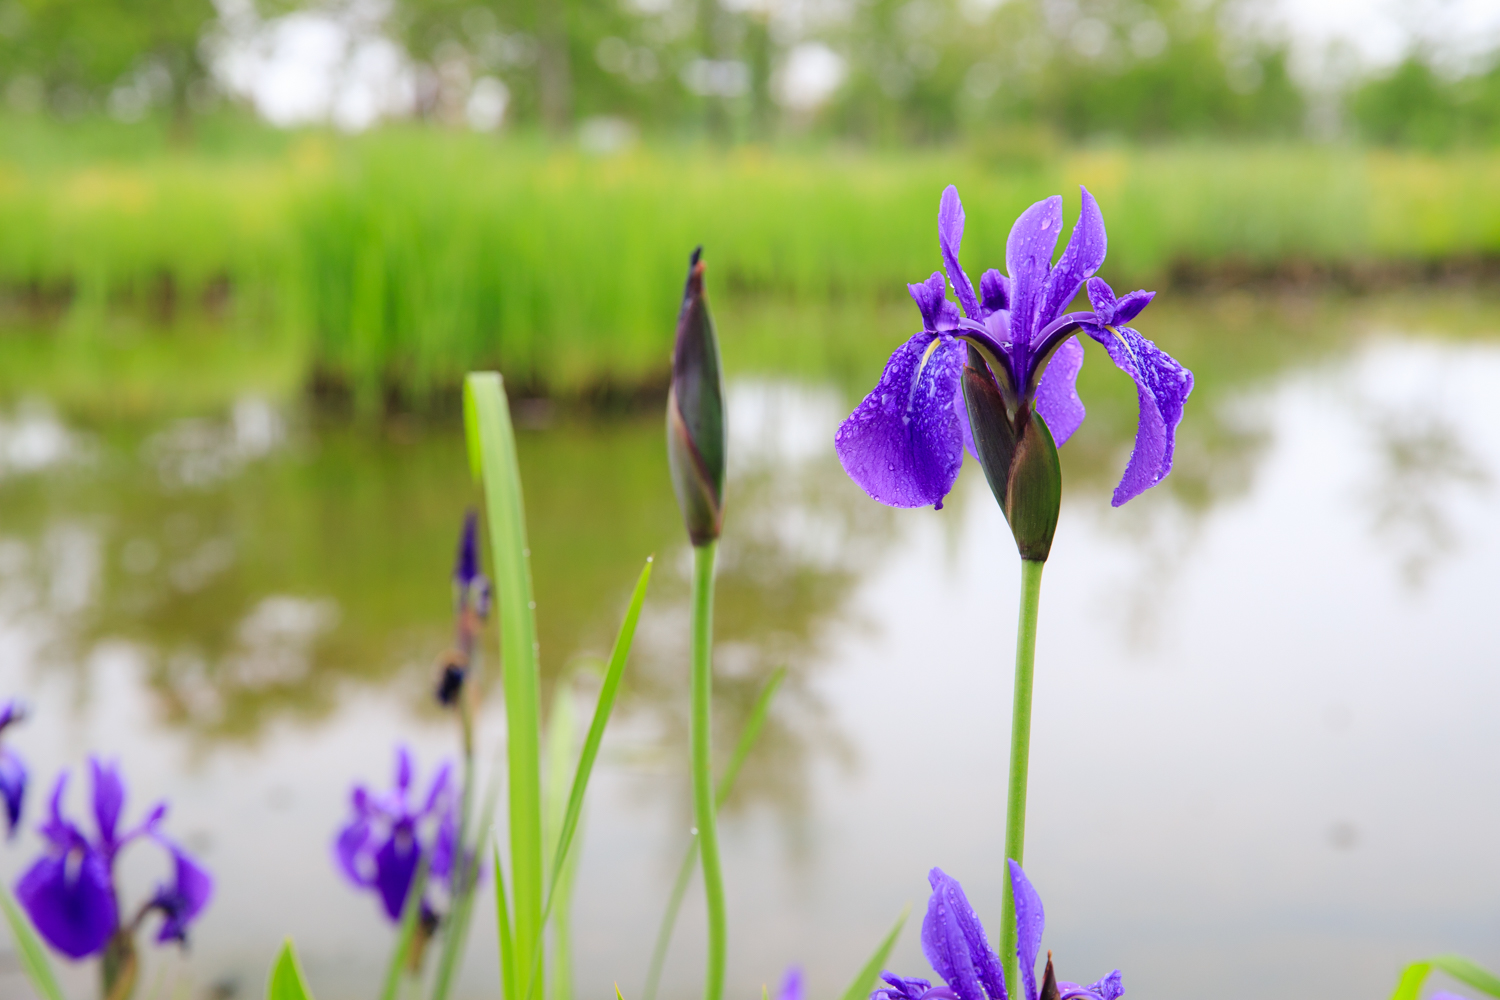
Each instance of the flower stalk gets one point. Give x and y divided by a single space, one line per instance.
1020 751
703 792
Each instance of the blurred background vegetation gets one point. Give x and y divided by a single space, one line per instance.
370 197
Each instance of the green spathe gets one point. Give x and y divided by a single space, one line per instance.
1019 459
695 414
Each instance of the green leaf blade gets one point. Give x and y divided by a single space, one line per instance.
287 981
29 946
865 981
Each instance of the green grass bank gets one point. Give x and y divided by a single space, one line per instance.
397 260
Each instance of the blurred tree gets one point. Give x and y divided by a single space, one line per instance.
1413 105
129 54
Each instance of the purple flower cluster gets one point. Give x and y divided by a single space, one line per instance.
383 843
904 443
70 891
958 950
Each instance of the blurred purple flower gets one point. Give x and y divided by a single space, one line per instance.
792 987
904 443
12 769
382 845
471 606
955 945
70 892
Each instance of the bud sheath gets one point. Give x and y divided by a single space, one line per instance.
695 414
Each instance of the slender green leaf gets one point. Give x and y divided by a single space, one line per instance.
29 946
487 417
1469 973
502 925
287 981
456 935
865 981
1412 978
409 914
602 709
748 736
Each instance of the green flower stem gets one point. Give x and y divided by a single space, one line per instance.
1020 759
703 779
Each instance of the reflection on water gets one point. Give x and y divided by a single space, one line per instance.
1262 755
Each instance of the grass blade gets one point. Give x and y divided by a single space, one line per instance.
30 948
502 925
287 981
602 709
1469 973
409 914
492 440
748 736
457 933
865 981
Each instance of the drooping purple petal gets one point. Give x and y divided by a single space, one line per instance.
1057 395
1030 920
395 867
109 797
1080 260
184 898
70 901
1162 386
12 787
954 942
899 988
994 292
791 984
1111 987
950 236
1028 258
1111 311
903 444
931 296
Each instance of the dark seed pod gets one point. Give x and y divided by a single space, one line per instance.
695 414
1019 460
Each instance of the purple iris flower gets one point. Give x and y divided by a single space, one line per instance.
12 769
904 443
955 944
70 892
381 846
792 987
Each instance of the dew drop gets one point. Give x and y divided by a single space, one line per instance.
885 398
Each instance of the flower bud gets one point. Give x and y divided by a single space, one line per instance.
1019 459
695 414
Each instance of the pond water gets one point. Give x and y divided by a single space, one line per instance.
1264 760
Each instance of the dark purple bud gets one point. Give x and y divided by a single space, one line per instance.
12 787
1049 982
1019 459
450 684
466 566
695 414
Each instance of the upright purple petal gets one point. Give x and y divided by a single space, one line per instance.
903 444
1057 395
395 867
955 944
1030 920
351 848
437 793
403 772
74 910
898 988
13 711
1162 386
444 845
466 565
1102 298
931 297
12 787
994 291
950 236
1111 987
182 900
109 797
1028 258
1131 304
1080 260
791 984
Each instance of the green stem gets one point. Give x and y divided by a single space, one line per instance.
703 780
1020 760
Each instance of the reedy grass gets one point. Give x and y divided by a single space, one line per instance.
401 259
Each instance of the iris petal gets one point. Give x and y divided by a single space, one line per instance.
955 944
109 797
950 236
73 909
902 444
12 786
1030 921
395 867
1057 395
1080 259
1028 258
931 296
1162 386
185 898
